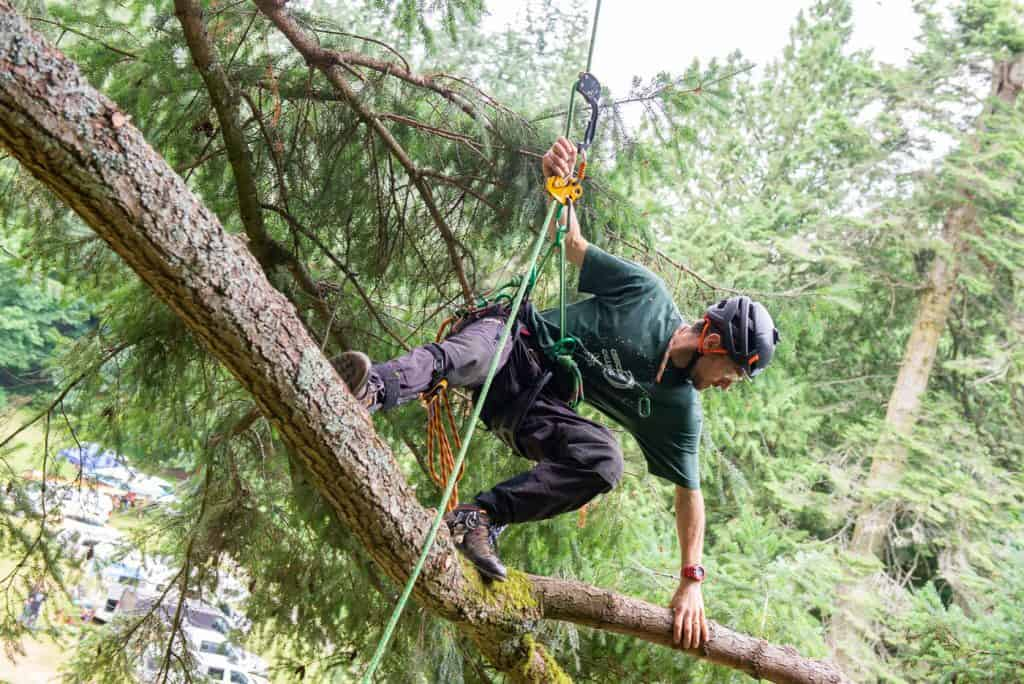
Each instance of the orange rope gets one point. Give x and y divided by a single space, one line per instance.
440 456
581 516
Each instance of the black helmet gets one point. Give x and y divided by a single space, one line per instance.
748 333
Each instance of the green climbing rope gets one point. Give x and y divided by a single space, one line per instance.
524 286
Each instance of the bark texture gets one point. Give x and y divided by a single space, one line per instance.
890 453
79 144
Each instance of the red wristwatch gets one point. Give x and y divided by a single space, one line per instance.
694 572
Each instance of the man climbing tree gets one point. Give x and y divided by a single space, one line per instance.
640 365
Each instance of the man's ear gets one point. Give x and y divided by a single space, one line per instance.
713 341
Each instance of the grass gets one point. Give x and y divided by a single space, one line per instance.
43 653
25 452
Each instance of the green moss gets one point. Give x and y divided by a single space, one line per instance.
515 593
554 674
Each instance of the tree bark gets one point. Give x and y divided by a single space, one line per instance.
81 146
852 625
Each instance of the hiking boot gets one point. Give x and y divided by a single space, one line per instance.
476 538
354 369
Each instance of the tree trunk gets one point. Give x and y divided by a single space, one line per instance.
851 628
82 146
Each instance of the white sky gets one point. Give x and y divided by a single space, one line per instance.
643 37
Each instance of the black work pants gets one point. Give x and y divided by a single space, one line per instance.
577 459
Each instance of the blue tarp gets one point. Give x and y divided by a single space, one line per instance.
89 457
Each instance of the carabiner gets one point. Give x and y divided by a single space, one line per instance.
590 88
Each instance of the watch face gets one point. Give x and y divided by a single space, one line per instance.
698 572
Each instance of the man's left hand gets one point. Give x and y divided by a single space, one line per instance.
689 626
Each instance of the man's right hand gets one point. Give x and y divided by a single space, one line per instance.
560 160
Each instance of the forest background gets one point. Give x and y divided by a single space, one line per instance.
864 497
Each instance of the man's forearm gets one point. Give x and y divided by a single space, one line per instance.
575 244
690 525
576 250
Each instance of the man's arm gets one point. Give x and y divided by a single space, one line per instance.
560 160
690 627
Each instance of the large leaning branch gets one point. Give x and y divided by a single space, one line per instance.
80 145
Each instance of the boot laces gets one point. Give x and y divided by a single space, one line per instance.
492 535
467 520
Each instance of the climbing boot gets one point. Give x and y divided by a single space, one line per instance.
476 537
354 369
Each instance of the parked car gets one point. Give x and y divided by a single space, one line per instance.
77 537
117 578
153 488
227 674
206 631
85 503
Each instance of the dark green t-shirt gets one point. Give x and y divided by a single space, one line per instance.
624 329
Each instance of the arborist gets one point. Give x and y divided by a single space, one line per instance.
641 365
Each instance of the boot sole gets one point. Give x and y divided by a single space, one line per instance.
490 575
483 571
354 369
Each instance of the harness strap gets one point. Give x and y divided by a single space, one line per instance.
439 363
389 373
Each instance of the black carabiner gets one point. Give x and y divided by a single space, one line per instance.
590 88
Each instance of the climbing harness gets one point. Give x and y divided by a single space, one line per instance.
587 89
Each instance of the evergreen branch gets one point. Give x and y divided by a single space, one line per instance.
273 143
654 94
225 103
293 93
367 39
111 353
225 100
485 95
323 58
326 61
99 42
800 291
185 571
203 157
454 182
474 145
243 424
296 225
8 579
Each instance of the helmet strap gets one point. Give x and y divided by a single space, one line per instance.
699 351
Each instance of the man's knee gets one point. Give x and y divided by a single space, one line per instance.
606 456
613 467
